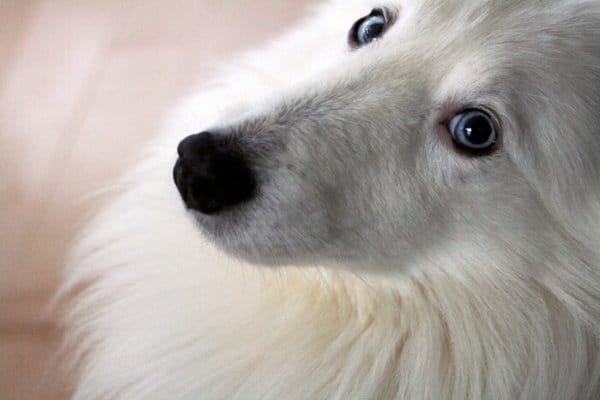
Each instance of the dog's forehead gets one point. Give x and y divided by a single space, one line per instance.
446 7
476 43
464 15
490 21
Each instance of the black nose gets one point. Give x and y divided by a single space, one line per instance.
211 174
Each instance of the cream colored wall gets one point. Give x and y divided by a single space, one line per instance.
82 85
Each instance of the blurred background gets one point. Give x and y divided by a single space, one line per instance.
82 84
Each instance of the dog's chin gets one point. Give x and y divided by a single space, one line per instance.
231 231
236 239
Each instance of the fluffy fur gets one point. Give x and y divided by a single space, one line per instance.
377 261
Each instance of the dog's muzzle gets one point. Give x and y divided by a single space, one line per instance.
211 174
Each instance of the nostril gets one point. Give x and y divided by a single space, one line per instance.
211 175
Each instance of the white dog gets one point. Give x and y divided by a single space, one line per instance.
407 211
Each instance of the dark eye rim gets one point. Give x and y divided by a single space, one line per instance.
465 150
353 39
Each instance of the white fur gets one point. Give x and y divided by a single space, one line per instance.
377 261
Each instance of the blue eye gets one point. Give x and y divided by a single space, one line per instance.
473 129
368 29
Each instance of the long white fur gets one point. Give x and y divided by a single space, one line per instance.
445 277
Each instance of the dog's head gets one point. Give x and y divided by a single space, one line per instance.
407 126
